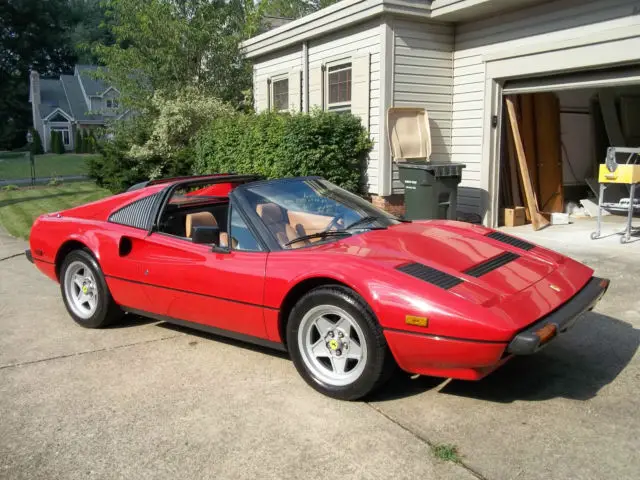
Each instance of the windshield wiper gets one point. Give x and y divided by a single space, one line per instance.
332 233
362 221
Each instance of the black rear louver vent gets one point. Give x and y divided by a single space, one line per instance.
137 214
430 275
492 264
509 240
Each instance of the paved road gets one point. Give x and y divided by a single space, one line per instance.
145 400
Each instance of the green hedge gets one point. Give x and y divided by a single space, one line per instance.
334 146
57 144
37 142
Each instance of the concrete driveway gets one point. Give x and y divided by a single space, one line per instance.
146 400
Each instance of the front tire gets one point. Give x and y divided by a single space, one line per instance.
85 292
337 345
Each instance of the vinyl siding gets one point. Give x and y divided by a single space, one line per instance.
423 77
539 25
349 44
277 64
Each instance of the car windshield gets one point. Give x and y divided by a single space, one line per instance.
301 212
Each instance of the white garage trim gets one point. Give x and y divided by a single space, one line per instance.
572 68
597 79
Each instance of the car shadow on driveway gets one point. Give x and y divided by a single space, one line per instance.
212 337
575 366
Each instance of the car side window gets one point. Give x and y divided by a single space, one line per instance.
241 237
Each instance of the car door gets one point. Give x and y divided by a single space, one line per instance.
193 283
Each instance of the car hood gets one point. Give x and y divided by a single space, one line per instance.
455 248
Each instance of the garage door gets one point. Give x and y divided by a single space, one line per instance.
592 79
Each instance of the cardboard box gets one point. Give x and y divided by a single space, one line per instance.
512 217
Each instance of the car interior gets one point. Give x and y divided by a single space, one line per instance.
202 207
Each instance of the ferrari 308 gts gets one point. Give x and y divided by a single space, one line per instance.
302 265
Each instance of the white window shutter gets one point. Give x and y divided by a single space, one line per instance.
360 88
261 99
295 92
316 87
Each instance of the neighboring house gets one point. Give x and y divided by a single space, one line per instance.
456 58
69 103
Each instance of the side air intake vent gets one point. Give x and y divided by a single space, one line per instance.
430 275
137 214
509 240
492 264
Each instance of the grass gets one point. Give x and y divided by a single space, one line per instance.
20 207
16 166
446 452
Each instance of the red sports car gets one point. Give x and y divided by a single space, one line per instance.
302 265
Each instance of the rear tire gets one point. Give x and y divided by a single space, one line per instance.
337 345
85 292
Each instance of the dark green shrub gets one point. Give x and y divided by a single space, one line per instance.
85 142
157 143
91 142
334 146
117 169
78 141
37 142
56 142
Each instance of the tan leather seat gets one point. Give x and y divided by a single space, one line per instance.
203 219
276 219
306 223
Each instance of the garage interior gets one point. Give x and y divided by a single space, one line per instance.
565 126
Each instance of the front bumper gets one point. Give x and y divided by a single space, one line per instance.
559 321
28 254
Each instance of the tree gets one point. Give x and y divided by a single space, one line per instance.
88 27
166 46
294 8
32 36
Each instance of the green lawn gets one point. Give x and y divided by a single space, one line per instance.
15 166
19 208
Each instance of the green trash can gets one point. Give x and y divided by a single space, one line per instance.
430 189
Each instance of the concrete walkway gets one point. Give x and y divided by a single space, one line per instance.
146 400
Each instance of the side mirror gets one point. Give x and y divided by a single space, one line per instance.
205 235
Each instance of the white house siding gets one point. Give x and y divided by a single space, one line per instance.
279 63
423 77
541 25
351 44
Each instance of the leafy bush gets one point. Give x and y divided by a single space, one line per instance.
157 143
37 142
115 169
78 141
57 146
90 143
86 148
334 146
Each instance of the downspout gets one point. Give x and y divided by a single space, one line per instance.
305 77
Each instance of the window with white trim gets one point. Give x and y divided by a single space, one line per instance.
280 94
338 87
112 103
66 138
